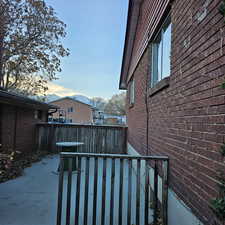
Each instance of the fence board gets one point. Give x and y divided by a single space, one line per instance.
96 139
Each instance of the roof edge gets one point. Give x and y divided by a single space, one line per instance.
132 22
67 97
13 99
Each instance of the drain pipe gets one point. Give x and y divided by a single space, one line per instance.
147 109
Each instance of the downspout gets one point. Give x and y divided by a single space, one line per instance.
137 7
49 113
139 4
147 108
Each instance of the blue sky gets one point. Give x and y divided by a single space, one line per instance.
96 32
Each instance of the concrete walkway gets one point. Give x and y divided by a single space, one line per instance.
32 198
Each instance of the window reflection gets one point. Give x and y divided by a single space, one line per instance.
161 53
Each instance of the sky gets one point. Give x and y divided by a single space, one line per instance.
95 37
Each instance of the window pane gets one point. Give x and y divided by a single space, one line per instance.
132 92
157 60
166 50
154 78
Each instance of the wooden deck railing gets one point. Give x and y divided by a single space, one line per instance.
96 139
112 189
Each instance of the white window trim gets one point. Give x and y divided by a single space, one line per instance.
160 32
132 92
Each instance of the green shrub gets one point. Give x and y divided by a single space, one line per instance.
218 207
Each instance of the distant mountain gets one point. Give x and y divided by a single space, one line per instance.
52 97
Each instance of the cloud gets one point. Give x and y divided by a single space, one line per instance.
60 90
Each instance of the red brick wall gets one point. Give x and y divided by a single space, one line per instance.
136 115
187 119
149 17
24 128
7 127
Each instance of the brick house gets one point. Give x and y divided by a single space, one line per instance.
173 67
73 111
18 118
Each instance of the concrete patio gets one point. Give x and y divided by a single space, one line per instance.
31 199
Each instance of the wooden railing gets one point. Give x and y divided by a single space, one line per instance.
112 189
96 139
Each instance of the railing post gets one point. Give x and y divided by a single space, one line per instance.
77 208
155 216
86 190
138 189
103 191
69 184
60 191
146 192
95 191
112 193
129 192
165 168
121 193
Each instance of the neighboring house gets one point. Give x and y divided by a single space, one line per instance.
72 111
103 118
18 118
114 119
173 67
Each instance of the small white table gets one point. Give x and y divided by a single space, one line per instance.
69 147
69 144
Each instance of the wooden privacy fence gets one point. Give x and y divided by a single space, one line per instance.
96 139
112 189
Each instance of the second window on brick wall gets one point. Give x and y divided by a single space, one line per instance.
161 53
131 92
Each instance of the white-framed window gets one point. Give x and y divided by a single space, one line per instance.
131 92
161 53
70 109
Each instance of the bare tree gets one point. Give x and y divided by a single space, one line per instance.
116 105
99 103
30 45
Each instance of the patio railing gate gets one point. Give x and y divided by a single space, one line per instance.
112 189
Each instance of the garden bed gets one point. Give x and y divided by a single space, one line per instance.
12 164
